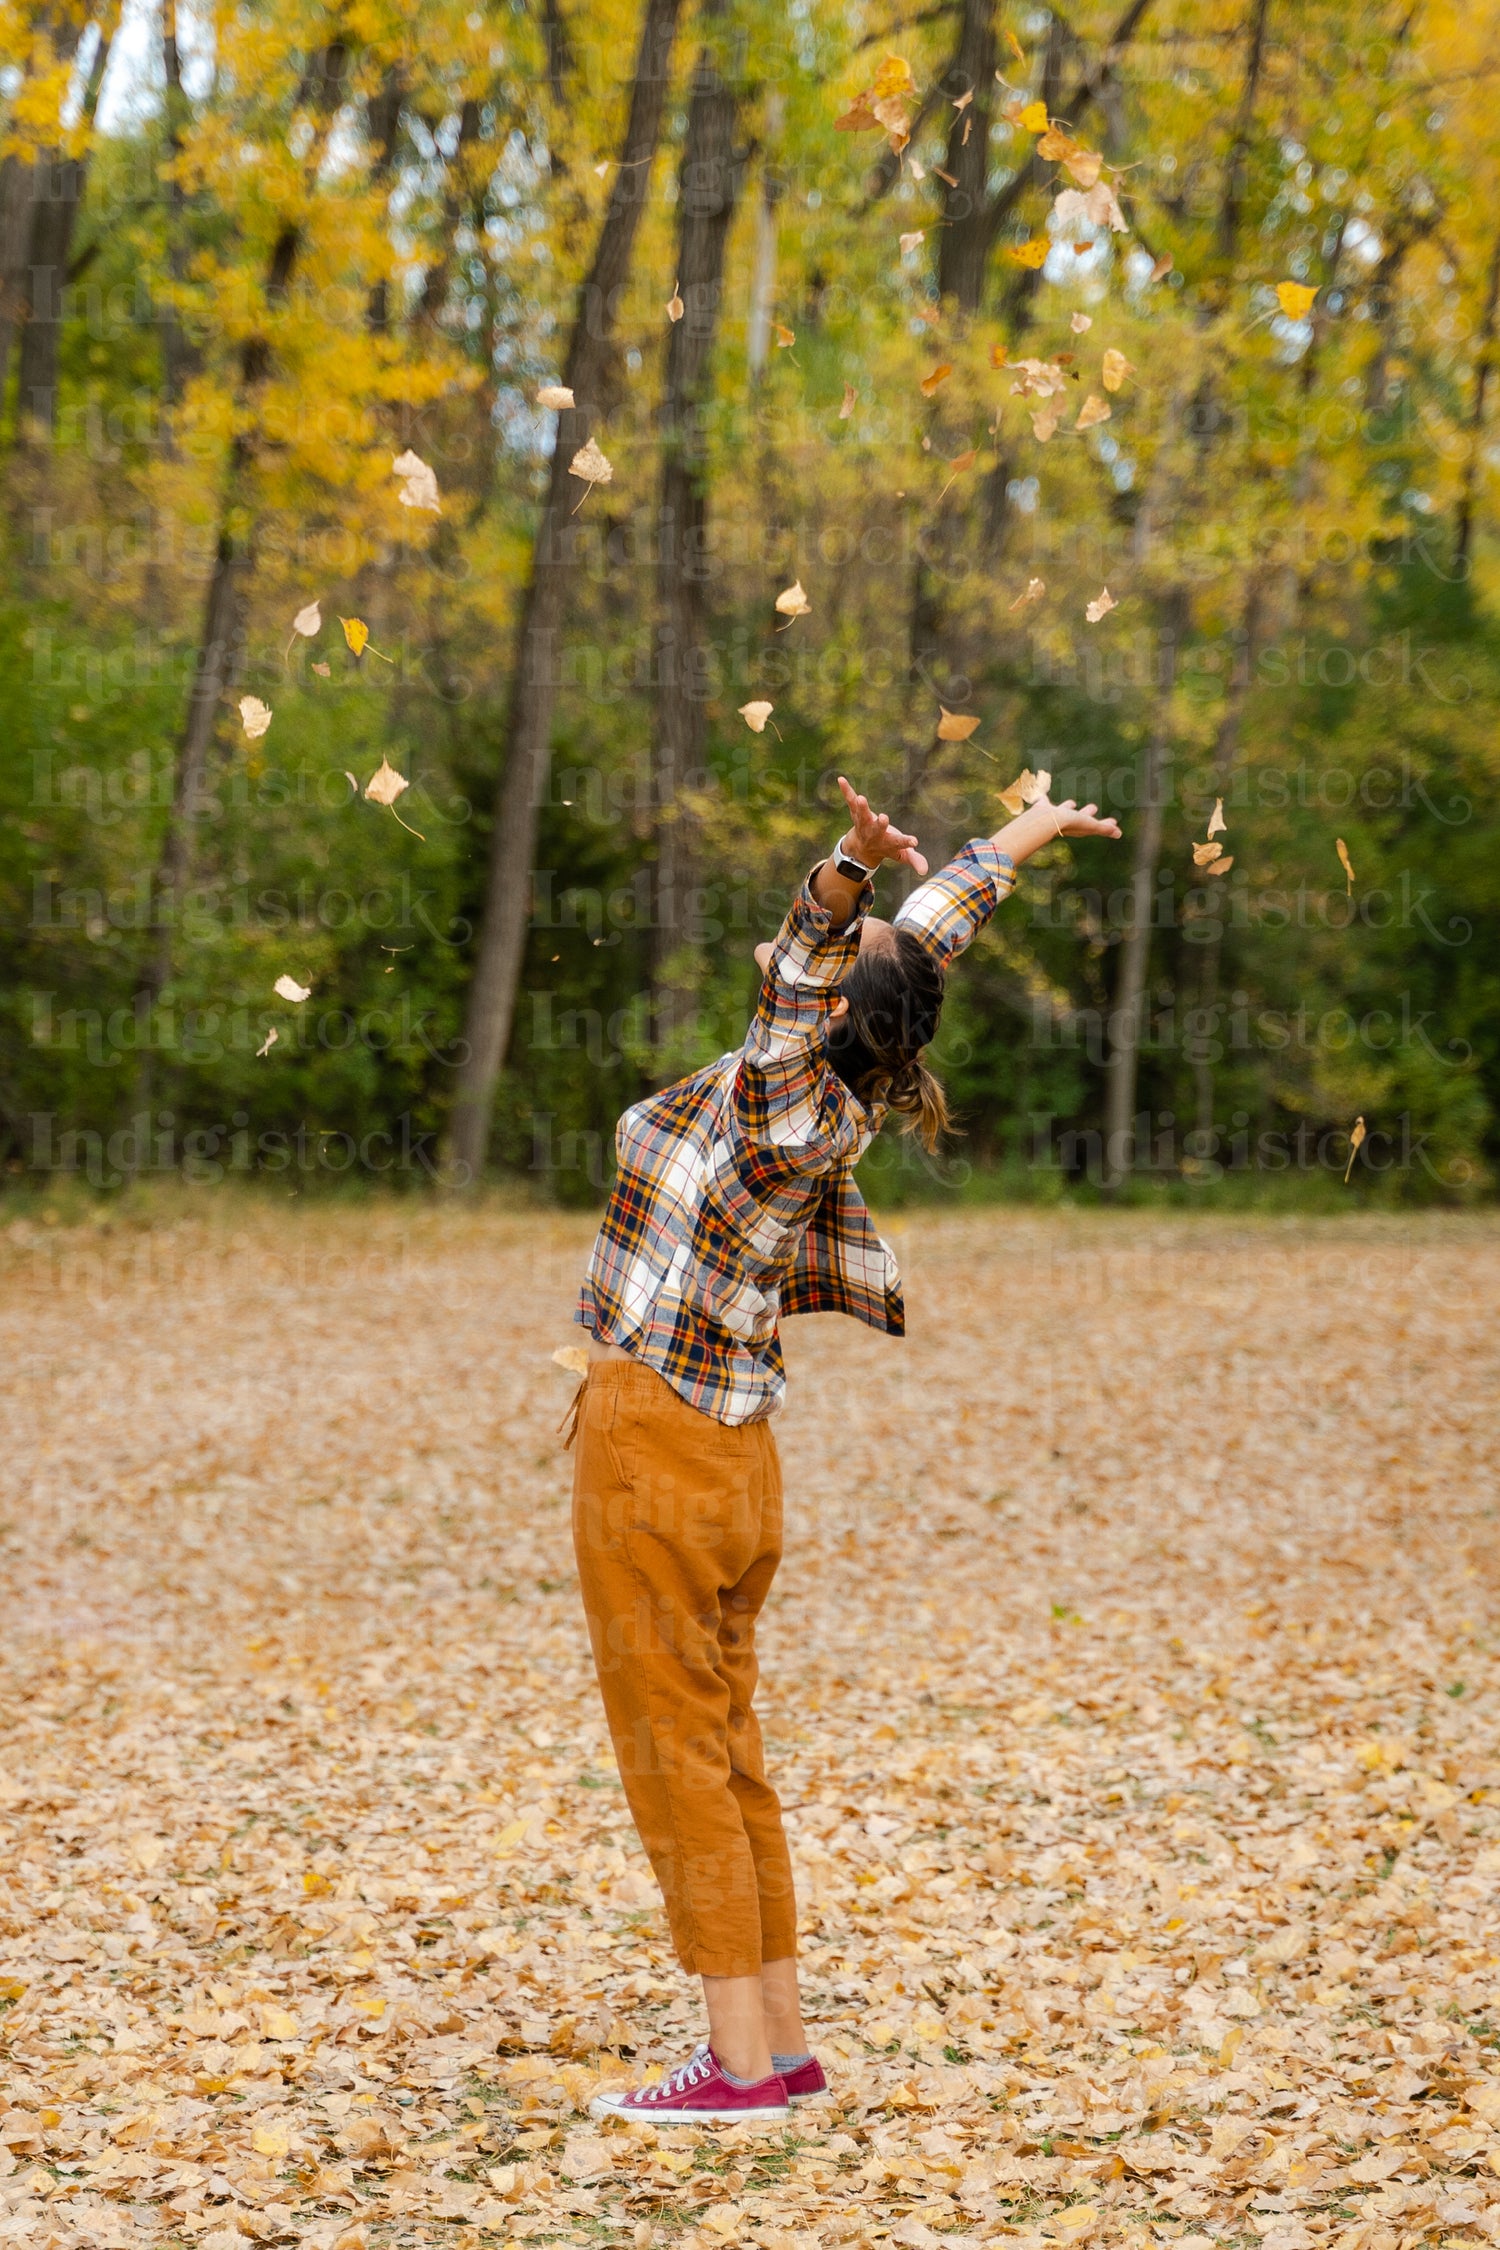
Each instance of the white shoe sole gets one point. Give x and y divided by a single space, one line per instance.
602 2106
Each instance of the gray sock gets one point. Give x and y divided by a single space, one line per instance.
729 2074
781 2064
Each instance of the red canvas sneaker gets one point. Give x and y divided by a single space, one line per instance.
806 2083
698 2093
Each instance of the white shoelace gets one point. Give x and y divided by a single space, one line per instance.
690 2073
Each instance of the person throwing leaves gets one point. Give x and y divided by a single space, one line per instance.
735 1204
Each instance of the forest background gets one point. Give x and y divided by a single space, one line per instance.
1117 386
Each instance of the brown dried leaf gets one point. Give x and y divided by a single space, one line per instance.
1357 1138
1101 605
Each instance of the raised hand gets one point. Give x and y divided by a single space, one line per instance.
1080 820
871 838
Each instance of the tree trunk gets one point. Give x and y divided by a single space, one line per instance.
707 191
763 272
54 220
178 358
1484 367
224 607
964 245
502 934
1135 947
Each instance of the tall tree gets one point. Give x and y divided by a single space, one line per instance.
708 187
61 178
507 903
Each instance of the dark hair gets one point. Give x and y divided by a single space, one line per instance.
895 998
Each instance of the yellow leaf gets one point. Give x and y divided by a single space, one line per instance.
893 77
1094 409
1345 862
1204 854
1222 866
373 2006
934 382
356 633
278 2023
955 726
1116 368
270 2140
1032 253
1033 118
1020 793
1295 298
785 337
1055 144
1357 1138
509 1837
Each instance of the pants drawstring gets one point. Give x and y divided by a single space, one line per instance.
569 1422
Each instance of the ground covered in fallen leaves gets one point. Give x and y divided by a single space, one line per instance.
1131 1680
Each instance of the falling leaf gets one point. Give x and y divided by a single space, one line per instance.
1032 254
1055 144
1357 1137
1016 48
1045 419
324 671
287 988
857 118
955 726
267 1043
851 400
962 101
917 171
912 241
356 633
555 395
1295 298
756 714
1084 165
1116 368
1033 118
1100 606
419 485
1035 588
589 464
1163 265
674 302
1094 409
576 1360
1097 208
785 337
1037 378
353 784
255 716
308 621
1217 824
935 381
1203 854
793 602
999 354
1345 862
1222 866
385 784
1081 323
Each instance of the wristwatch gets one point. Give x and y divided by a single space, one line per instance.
850 868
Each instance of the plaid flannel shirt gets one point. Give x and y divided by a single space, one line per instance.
734 1201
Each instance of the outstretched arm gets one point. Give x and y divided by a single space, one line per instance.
948 913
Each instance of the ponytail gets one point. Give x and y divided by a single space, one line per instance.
895 998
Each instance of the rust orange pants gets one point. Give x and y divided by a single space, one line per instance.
677 1529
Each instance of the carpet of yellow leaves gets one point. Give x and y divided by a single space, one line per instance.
1130 1681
